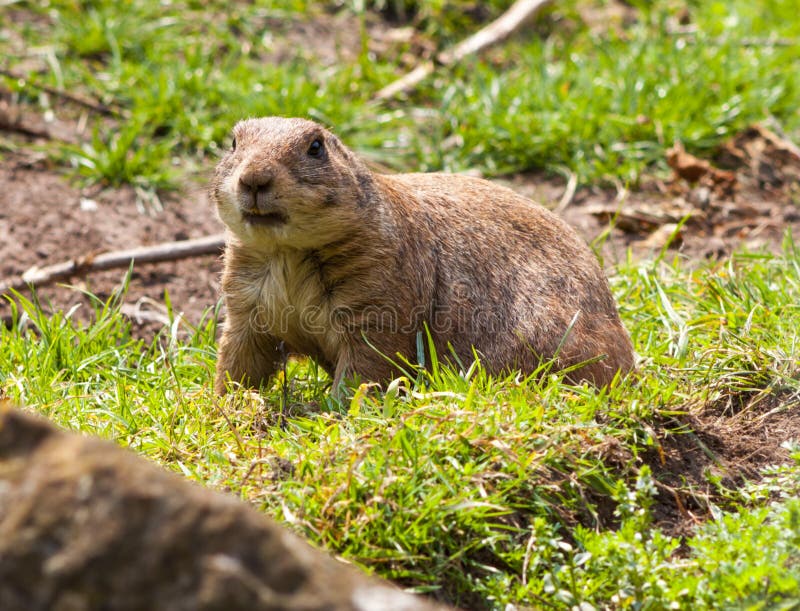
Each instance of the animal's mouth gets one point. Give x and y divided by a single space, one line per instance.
264 219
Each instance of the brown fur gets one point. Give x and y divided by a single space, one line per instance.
353 264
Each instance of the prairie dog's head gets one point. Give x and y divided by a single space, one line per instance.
288 183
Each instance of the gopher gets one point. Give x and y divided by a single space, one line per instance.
359 270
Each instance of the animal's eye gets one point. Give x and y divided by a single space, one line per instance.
233 144
315 149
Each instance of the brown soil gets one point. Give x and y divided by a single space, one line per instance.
730 448
45 219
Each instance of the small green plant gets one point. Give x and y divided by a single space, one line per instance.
122 157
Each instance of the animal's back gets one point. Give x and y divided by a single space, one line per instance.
512 278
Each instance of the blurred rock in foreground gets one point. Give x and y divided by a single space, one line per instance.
85 525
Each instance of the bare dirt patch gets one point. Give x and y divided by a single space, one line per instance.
746 195
45 219
712 444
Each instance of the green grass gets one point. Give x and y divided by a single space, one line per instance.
608 107
602 104
483 491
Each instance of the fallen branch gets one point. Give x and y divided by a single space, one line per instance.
167 251
499 29
11 121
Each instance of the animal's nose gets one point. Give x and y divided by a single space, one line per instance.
255 181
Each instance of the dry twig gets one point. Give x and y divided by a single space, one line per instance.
499 29
167 251
20 128
568 195
11 121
